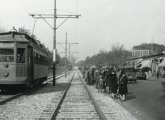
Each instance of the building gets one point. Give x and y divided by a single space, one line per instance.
140 53
150 61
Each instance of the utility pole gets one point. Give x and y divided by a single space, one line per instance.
70 48
69 52
55 27
66 52
54 46
67 46
66 55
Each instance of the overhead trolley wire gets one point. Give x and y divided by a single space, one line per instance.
77 10
24 8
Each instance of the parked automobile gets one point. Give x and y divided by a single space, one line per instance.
141 74
130 74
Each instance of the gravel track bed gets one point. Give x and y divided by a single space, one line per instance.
41 104
4 97
77 104
33 106
111 109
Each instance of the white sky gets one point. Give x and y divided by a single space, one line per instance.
102 24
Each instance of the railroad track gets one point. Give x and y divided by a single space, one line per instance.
71 102
7 97
50 78
77 103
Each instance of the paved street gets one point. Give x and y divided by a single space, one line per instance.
146 99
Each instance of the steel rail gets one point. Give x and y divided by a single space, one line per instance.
20 94
61 100
58 76
10 98
97 108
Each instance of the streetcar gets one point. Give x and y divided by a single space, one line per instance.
23 62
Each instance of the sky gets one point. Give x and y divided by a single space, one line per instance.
103 23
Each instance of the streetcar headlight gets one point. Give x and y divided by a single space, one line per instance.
6 74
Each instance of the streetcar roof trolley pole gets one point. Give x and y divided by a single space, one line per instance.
55 16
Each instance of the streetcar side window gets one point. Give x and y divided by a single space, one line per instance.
6 55
20 55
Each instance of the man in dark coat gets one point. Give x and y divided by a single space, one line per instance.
122 85
103 73
111 81
107 78
87 75
113 85
91 76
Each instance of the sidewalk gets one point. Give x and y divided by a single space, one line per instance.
111 109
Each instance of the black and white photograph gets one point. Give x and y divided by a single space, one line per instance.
82 60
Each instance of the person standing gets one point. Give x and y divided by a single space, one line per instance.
96 77
107 79
91 76
100 83
113 83
157 74
123 85
87 75
103 73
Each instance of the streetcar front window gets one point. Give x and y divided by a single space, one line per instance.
20 55
6 55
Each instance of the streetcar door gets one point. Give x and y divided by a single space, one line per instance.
30 65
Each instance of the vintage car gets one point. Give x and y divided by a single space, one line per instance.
141 74
130 74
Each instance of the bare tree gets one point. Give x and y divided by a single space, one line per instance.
26 31
113 57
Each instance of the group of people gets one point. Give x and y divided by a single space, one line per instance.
107 77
